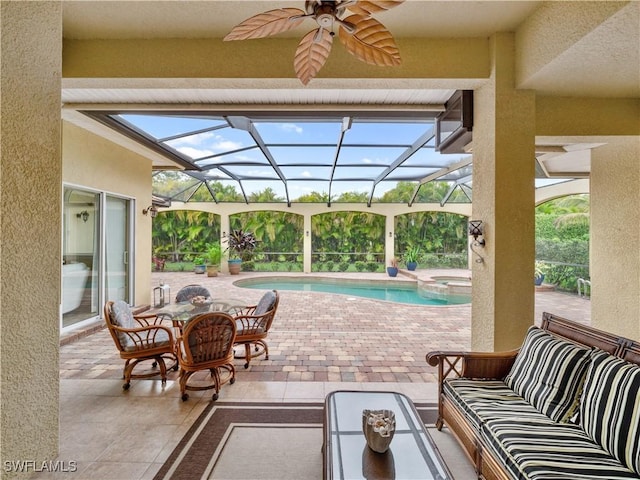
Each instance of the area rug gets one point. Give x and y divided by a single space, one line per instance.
255 441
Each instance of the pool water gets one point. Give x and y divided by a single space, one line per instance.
375 290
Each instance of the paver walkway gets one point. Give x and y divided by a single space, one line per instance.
328 338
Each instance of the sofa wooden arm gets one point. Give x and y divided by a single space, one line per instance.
477 365
487 365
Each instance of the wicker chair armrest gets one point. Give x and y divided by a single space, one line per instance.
150 319
244 311
251 323
146 336
486 365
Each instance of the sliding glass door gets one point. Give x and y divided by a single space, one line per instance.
96 244
117 249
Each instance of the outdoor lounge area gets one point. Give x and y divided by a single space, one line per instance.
311 355
483 110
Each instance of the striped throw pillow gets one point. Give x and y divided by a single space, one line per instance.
548 373
610 407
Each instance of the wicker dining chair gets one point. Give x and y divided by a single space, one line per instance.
253 324
140 338
207 344
187 293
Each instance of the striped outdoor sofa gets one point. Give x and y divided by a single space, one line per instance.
564 406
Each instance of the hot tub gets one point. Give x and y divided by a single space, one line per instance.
443 286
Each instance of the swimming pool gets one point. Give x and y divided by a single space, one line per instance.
406 292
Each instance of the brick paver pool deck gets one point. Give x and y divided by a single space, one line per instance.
325 337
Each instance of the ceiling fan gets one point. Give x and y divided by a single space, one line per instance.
362 35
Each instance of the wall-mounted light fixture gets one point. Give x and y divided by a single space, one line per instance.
307 233
150 210
476 230
390 234
84 215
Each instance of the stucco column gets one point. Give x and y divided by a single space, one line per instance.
306 244
615 236
389 238
503 198
225 228
30 227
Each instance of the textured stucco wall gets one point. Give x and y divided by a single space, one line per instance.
615 237
462 58
562 26
30 251
93 162
503 181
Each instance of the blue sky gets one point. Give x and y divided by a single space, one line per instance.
304 151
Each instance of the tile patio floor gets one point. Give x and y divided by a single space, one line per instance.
318 337
319 343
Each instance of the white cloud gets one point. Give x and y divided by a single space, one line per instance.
226 145
306 174
197 139
291 127
216 142
367 160
194 152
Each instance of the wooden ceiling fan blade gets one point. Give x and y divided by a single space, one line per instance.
371 43
312 53
267 23
369 7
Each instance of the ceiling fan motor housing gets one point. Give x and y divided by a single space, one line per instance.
325 15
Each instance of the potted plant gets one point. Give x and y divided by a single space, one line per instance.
538 273
214 255
392 269
411 257
198 265
239 245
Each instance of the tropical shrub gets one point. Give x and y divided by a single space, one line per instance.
562 240
248 265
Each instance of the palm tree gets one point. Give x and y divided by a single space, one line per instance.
577 211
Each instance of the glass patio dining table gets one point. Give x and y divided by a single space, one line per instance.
181 312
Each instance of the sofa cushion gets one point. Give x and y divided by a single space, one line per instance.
483 400
548 372
610 407
540 449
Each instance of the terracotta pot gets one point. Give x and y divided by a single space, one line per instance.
234 266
